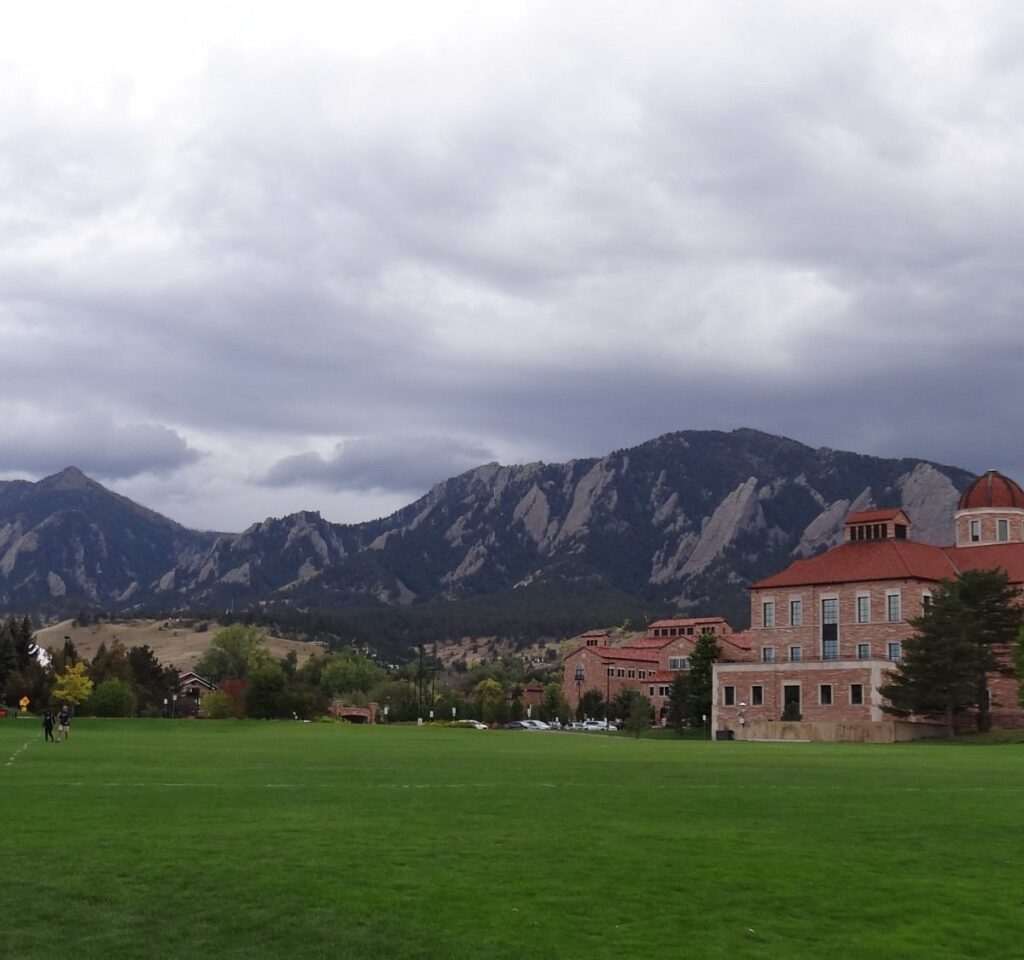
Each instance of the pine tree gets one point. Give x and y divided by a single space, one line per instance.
946 662
700 682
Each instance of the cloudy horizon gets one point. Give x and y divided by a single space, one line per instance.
261 258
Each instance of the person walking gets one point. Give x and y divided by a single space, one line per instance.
48 727
64 722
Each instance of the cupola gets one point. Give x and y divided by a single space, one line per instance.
991 510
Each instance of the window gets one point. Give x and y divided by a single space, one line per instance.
581 674
631 674
825 694
679 663
856 694
1003 530
796 613
975 531
863 651
830 628
620 672
664 691
796 653
757 696
926 601
729 696
652 691
768 654
643 674
892 608
768 613
611 671
895 651
864 609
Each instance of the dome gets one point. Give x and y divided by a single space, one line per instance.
992 489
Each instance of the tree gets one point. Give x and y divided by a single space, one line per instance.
945 663
113 698
8 659
994 606
349 671
591 706
678 703
111 662
218 706
235 651
553 705
491 700
264 697
700 681
73 686
639 717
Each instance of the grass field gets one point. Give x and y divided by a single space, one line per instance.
159 839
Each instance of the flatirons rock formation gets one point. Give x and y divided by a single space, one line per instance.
689 518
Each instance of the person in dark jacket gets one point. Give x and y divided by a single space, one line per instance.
48 726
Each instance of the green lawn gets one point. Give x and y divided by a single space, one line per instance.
159 839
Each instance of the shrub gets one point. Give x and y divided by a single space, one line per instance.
112 698
218 706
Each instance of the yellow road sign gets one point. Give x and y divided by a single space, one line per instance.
24 702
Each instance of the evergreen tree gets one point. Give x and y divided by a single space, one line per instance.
995 619
678 703
941 663
946 662
700 681
8 660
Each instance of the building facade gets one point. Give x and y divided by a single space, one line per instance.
648 664
826 631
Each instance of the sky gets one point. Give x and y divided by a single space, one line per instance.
263 257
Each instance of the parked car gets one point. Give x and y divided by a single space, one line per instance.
598 725
516 725
536 724
472 724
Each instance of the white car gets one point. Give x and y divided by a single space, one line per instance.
472 724
597 725
536 724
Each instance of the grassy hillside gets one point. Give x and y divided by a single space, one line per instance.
267 840
173 644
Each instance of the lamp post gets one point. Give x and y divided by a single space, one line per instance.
743 714
165 708
174 705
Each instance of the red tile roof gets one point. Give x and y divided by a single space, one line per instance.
624 653
868 560
896 560
744 641
1003 556
653 643
875 516
992 489
689 622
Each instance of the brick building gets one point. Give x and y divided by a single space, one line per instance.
826 631
647 663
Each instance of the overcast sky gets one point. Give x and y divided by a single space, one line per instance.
263 257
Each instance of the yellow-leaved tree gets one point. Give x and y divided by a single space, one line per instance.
73 686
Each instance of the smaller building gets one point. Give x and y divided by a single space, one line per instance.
342 711
648 663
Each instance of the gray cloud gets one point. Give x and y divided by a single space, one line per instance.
560 237
94 444
406 464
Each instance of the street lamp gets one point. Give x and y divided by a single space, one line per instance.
743 714
174 704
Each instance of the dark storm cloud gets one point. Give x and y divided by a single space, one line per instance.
552 240
98 447
407 465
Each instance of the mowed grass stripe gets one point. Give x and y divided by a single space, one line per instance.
320 840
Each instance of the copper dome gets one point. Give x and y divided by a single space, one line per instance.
992 489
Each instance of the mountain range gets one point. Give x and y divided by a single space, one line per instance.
684 521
